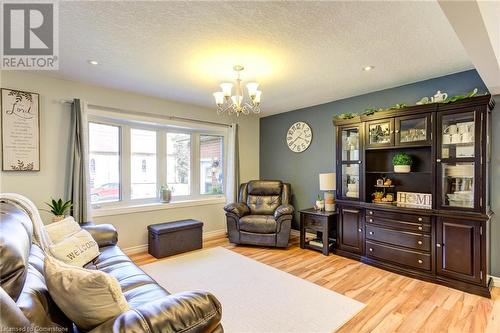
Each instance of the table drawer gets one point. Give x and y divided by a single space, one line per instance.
314 222
417 241
419 260
398 216
401 225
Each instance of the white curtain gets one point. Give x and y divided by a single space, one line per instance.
78 184
233 165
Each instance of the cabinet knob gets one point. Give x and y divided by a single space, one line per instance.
438 160
419 219
420 261
370 212
371 232
438 245
359 162
371 250
397 131
419 242
420 228
371 220
392 132
360 230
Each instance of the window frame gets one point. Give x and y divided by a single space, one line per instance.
162 127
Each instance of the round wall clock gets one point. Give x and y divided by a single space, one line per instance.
299 137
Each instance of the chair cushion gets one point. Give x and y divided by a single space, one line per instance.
263 205
265 187
261 224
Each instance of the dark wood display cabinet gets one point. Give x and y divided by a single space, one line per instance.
446 242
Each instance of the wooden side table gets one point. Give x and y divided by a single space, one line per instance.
319 222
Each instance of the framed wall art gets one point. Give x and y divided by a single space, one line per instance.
20 130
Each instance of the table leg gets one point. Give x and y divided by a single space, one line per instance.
302 233
326 247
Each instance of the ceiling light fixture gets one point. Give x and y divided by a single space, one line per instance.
226 102
368 68
93 62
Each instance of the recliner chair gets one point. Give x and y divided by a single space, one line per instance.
263 214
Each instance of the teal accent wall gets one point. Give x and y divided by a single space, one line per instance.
302 170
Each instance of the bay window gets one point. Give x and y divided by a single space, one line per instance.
129 161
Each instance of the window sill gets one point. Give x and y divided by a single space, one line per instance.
149 207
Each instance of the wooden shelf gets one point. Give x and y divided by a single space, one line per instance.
399 173
385 186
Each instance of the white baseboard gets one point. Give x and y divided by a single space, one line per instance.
496 281
144 247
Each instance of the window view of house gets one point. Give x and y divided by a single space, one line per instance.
178 163
143 163
211 164
104 157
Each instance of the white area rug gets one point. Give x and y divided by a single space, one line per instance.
255 297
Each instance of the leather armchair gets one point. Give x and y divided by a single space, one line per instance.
263 214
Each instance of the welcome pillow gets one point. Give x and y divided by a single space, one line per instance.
87 297
59 230
77 249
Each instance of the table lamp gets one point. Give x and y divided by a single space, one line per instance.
327 184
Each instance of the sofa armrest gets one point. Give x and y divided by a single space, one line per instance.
103 234
182 312
283 210
238 208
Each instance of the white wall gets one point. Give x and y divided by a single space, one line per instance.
54 139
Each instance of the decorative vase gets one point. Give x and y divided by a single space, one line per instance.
402 168
165 196
320 204
57 218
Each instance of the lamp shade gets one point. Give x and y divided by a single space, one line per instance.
327 181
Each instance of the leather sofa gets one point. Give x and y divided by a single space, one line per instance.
25 303
263 214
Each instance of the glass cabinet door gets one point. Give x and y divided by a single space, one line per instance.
380 133
457 162
350 181
350 144
458 185
457 133
411 130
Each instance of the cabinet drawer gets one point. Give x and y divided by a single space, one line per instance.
401 225
417 241
313 222
419 260
398 216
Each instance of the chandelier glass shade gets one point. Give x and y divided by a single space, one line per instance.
238 103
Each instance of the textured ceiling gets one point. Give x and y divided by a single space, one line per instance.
302 53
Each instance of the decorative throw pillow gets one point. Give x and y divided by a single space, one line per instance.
59 230
77 250
87 297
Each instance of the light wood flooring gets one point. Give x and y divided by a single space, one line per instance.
395 303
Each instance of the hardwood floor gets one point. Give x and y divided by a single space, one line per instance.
394 303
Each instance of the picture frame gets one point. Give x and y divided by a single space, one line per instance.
20 117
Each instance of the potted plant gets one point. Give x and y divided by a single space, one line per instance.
165 194
320 203
402 162
59 208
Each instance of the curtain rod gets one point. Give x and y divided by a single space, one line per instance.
154 115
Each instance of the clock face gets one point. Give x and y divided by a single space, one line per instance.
299 137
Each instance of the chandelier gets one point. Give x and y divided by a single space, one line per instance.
226 102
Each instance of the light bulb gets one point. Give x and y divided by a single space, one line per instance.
226 88
252 88
219 97
256 99
237 100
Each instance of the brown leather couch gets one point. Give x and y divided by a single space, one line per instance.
263 214
26 304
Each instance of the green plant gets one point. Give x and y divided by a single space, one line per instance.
165 188
59 207
319 198
345 115
470 94
402 159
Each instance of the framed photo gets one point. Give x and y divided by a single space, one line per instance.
20 130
